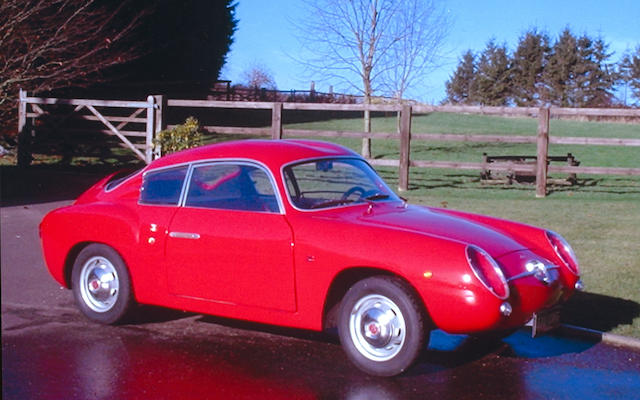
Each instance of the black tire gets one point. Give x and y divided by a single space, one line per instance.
101 284
382 325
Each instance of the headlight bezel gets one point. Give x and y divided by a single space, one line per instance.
487 271
564 251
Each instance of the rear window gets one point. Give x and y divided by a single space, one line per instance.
163 187
119 177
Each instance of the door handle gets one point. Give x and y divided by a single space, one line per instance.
184 235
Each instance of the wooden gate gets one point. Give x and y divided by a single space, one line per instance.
129 115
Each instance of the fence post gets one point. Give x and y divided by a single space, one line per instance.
276 121
405 147
148 146
543 151
160 121
24 134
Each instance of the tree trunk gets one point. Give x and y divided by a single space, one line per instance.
366 142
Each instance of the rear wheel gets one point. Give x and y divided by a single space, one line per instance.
382 326
101 284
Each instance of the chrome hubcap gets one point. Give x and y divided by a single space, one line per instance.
99 285
377 327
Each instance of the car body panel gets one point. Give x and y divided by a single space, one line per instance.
226 260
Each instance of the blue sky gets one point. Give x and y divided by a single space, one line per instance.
266 35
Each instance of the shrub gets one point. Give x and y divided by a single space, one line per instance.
181 137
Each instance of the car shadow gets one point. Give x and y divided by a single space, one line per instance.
599 312
448 351
146 314
329 336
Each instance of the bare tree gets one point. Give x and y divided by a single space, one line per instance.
371 45
420 29
51 44
258 76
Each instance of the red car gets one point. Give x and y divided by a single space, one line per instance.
302 234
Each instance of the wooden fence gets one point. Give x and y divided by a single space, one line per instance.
405 135
157 106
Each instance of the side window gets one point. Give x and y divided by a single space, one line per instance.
231 186
262 183
163 187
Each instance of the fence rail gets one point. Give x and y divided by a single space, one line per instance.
156 107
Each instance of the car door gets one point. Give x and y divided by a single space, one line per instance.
159 199
229 242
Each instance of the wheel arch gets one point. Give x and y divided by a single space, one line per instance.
347 278
70 259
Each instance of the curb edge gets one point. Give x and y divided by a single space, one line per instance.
604 337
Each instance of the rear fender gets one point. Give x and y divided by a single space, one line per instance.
65 231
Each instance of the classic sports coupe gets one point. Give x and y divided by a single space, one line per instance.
302 234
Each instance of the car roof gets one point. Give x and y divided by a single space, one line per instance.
269 152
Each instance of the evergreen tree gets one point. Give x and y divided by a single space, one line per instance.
187 40
491 86
459 84
574 72
630 72
559 74
578 73
528 64
594 77
609 76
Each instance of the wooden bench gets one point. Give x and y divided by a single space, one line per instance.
520 175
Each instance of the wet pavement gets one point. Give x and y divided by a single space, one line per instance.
50 351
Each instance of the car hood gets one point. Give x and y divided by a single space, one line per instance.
430 222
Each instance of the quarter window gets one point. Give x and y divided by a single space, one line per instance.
163 187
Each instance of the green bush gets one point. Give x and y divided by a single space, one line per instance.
181 137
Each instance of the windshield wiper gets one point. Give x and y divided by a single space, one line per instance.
377 196
330 203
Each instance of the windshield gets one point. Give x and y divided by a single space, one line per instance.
334 182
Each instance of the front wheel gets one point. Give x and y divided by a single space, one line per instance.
101 284
382 326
